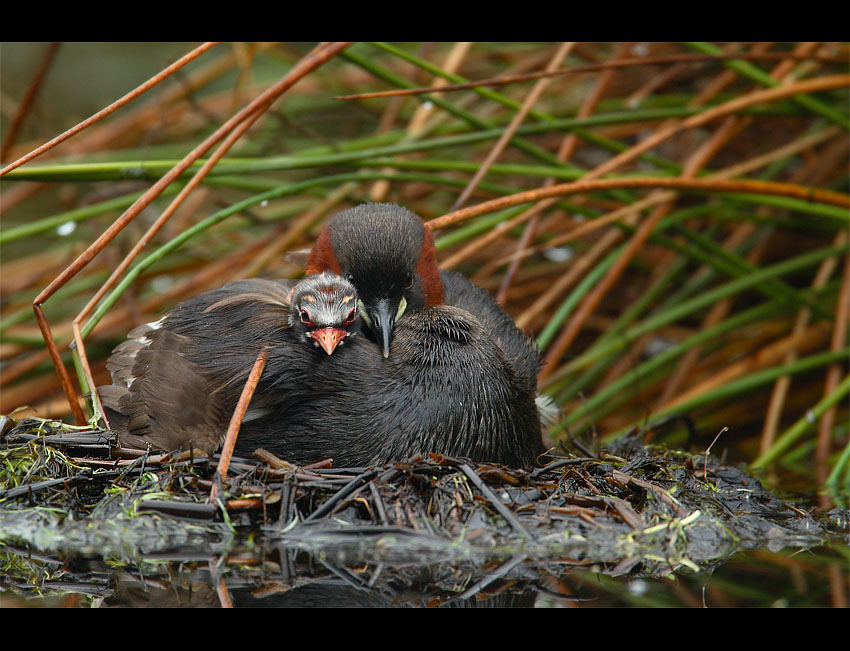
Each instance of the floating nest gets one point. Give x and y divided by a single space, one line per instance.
626 509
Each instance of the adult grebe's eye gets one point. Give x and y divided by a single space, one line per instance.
305 318
350 318
409 282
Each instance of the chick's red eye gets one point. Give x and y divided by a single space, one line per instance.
350 318
305 318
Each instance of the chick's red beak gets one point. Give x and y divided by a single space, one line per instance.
329 338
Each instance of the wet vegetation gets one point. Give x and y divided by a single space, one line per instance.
670 221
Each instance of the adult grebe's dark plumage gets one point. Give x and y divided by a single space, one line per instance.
388 254
445 387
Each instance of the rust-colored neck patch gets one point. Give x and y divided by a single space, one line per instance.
322 256
427 270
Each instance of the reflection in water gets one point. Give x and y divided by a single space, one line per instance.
278 578
297 579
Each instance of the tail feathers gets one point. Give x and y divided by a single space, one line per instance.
164 404
548 410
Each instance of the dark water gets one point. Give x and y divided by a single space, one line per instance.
284 578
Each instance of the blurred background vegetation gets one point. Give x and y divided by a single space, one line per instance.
690 314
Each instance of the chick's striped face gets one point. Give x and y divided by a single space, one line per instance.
327 308
324 308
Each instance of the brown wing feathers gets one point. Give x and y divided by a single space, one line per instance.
164 374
